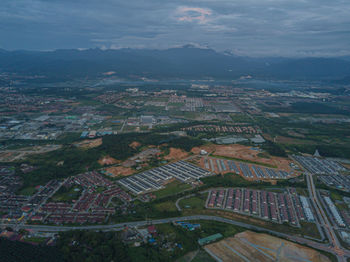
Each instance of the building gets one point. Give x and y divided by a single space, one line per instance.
147 120
209 239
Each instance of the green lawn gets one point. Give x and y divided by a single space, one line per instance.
168 205
67 195
203 256
172 189
100 189
194 203
335 196
35 239
27 191
309 229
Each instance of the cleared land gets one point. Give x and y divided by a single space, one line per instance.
135 144
89 143
107 160
23 153
116 171
176 154
246 153
250 246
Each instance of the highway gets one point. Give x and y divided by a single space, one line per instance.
120 226
335 245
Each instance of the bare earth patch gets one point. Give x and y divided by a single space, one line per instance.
245 153
107 160
89 143
135 144
250 246
116 171
176 154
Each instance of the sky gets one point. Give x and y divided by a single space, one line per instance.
243 27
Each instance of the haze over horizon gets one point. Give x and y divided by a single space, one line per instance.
249 28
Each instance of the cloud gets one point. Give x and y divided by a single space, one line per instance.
193 14
248 27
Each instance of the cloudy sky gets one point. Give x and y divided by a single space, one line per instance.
245 27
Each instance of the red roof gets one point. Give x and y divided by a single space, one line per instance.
36 218
26 208
152 229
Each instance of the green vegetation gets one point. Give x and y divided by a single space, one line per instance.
23 252
336 196
195 203
203 256
326 150
89 246
67 194
27 191
185 143
70 160
312 108
142 211
168 205
230 180
171 189
274 149
309 229
35 239
61 163
107 246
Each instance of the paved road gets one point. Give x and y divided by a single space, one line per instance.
120 226
336 247
179 199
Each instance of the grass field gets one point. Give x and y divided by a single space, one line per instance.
168 205
35 239
194 203
172 189
203 256
335 196
27 191
64 195
309 229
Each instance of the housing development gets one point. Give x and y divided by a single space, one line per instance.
275 207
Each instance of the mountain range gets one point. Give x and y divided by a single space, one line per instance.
182 62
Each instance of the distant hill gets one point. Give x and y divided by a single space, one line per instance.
183 62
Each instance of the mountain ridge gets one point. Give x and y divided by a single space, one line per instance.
187 61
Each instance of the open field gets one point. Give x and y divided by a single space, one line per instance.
237 151
194 203
203 257
135 144
176 154
250 246
89 143
107 160
116 171
171 189
23 153
67 195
